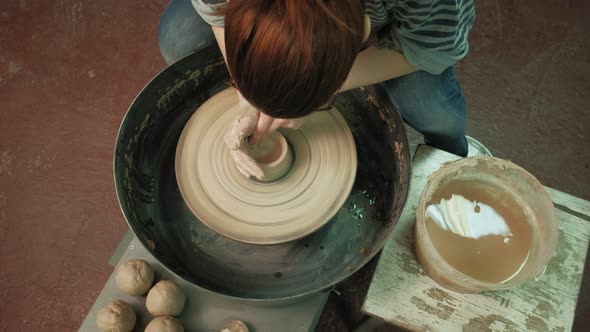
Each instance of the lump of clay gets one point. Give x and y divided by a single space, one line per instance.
117 316
164 324
165 299
235 326
135 277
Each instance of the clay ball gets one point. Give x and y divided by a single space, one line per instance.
117 316
164 324
134 277
235 326
165 299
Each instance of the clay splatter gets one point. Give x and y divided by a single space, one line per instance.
545 309
11 70
410 265
195 76
6 161
13 67
490 323
438 294
3 219
535 323
441 311
39 161
558 261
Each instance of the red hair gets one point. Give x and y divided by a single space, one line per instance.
288 57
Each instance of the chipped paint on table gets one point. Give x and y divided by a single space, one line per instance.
402 294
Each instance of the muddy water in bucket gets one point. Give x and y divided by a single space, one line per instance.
492 258
484 224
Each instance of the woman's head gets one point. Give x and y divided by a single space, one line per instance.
288 57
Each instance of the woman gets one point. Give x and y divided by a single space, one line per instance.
288 58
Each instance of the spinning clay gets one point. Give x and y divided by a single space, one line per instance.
305 185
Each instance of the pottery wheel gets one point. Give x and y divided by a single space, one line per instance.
315 186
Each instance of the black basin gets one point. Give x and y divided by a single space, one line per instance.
151 202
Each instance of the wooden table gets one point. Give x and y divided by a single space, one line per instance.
402 294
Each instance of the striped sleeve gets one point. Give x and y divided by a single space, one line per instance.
206 9
432 34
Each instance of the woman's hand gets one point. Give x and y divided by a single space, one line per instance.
267 125
237 139
249 128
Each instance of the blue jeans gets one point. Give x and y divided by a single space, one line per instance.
434 105
182 31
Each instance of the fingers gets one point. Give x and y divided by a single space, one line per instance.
276 124
294 123
231 138
262 128
247 121
246 164
241 128
243 171
267 125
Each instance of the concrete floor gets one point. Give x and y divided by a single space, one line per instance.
70 68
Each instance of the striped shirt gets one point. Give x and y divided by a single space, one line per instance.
432 34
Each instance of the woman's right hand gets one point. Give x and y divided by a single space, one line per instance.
267 125
238 137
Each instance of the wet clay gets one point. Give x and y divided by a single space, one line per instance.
317 183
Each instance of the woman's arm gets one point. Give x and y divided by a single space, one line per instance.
219 34
372 65
375 65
